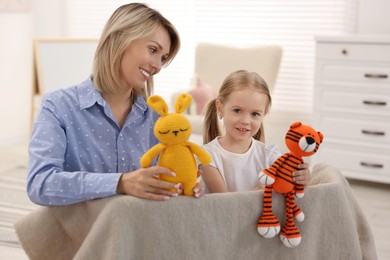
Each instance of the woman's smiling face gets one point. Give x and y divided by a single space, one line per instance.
143 58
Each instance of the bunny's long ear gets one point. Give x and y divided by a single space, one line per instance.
158 104
183 102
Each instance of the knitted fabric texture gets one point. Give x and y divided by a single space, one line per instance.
301 140
174 150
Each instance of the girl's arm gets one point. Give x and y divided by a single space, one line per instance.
213 179
302 176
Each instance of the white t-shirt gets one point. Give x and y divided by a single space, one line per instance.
240 171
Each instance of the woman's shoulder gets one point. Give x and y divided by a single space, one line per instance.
60 93
68 95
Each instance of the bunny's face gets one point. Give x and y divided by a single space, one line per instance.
172 129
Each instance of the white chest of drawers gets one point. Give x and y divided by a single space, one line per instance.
352 105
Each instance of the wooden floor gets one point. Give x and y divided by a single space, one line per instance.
373 197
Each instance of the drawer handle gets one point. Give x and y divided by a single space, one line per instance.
368 132
371 165
374 103
376 76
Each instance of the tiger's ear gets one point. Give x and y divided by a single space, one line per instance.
295 125
158 104
321 136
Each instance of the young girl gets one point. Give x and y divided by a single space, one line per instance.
240 154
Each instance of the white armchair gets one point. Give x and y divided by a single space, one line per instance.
214 62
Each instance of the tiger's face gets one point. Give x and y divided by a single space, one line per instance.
303 140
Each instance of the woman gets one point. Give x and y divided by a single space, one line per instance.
88 139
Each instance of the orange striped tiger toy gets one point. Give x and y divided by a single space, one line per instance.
301 140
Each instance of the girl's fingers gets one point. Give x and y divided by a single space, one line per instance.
302 176
198 190
303 166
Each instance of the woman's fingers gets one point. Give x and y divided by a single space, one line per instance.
180 189
146 183
165 187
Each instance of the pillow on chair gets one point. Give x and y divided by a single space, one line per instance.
201 93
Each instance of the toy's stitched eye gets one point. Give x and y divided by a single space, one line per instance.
163 133
184 129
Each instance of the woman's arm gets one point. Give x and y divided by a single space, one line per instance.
213 179
53 179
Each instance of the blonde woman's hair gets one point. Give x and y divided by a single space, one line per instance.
128 23
237 80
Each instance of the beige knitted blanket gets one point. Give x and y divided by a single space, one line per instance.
217 226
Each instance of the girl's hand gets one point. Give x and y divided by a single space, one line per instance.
302 176
144 183
199 187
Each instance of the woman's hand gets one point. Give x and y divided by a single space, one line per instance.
144 183
302 176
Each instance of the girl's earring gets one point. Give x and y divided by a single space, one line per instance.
220 116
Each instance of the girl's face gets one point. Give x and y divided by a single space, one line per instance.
243 114
144 57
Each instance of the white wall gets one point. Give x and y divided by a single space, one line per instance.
16 76
47 18
374 17
17 31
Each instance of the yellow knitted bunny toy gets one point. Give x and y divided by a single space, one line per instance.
175 152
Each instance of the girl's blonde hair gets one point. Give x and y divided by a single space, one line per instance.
128 23
237 80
